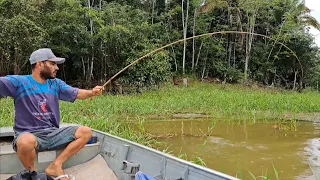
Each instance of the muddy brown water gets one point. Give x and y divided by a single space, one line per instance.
241 149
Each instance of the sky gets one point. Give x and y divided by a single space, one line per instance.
314 5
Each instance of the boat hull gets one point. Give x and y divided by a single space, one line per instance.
124 157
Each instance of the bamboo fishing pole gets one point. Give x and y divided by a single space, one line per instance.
182 40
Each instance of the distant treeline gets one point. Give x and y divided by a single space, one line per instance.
100 37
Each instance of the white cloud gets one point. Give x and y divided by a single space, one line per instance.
314 5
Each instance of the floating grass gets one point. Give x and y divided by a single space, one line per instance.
232 102
115 114
227 102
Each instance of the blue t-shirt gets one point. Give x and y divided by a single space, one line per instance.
36 105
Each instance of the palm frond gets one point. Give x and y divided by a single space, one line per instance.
310 21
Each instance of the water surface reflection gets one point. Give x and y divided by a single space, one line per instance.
237 148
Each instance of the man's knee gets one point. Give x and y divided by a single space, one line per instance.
26 141
84 132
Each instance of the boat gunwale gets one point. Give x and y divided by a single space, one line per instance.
168 156
175 160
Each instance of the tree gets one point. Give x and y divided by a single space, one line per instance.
19 37
185 28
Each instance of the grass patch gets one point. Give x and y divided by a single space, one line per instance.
115 114
217 101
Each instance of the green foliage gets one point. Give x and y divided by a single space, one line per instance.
220 102
100 39
151 72
116 114
18 38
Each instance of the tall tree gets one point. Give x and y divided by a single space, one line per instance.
185 17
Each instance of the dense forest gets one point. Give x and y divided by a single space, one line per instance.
100 37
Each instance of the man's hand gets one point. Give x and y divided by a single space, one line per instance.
97 91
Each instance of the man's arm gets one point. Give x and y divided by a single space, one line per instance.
84 94
8 86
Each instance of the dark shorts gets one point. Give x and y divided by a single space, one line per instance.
50 138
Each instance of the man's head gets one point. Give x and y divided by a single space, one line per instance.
45 62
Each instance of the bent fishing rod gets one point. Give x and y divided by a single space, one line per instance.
182 40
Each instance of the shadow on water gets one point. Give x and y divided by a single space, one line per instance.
237 148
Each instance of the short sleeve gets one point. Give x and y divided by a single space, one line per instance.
8 86
66 92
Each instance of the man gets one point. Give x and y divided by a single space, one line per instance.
37 115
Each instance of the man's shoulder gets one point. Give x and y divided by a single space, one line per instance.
59 83
19 77
56 81
16 78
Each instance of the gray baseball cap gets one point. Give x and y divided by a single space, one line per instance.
45 54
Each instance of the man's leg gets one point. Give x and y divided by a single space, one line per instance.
26 149
83 136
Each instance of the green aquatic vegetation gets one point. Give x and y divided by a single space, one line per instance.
112 113
125 115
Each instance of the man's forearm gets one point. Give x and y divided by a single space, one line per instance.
84 94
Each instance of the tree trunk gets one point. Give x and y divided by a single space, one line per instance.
204 66
83 68
90 60
193 40
16 69
16 57
174 54
185 27
152 12
234 53
295 80
91 68
196 65
229 53
88 71
229 38
204 69
249 44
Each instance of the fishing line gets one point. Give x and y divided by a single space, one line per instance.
182 40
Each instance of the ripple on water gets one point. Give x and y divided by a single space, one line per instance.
224 142
238 148
312 152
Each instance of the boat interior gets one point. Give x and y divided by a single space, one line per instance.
108 158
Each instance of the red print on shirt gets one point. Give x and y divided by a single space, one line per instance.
43 105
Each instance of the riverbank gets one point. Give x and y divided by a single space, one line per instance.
199 100
232 103
215 101
111 113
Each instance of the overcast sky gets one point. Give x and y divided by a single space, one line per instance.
314 5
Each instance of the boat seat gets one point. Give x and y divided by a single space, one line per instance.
10 163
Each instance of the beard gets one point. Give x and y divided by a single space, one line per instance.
47 74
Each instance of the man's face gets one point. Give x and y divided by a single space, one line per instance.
49 70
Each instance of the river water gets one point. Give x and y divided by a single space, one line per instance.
241 149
